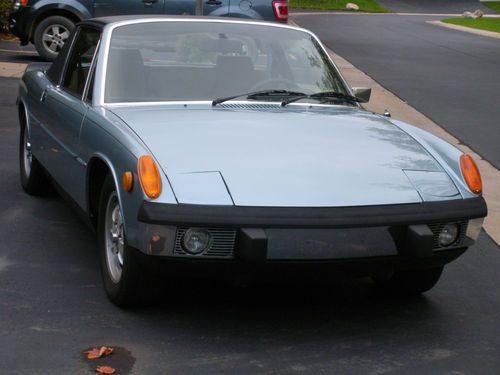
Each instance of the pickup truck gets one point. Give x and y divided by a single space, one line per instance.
48 23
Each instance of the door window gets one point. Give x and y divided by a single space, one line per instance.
80 61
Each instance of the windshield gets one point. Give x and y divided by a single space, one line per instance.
185 61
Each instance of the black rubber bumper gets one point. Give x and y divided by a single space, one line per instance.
312 217
404 228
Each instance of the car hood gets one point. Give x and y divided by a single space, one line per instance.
287 157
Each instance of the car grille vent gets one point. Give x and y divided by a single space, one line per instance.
436 229
223 241
270 106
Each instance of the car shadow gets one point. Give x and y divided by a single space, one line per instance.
343 309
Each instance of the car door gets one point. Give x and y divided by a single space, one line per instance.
118 7
210 7
65 111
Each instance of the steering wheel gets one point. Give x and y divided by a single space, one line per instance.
274 83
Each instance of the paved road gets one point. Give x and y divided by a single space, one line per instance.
434 6
11 51
451 76
52 307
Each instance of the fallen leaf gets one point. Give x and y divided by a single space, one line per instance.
95 353
105 370
105 351
92 354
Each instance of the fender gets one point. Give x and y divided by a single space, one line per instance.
102 158
42 8
447 155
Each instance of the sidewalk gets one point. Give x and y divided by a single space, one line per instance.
12 70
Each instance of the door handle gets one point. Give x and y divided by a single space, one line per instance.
149 2
43 96
213 2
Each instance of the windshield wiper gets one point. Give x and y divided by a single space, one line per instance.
265 93
323 97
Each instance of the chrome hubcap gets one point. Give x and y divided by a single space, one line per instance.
114 237
27 154
54 37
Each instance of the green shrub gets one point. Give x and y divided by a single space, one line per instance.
5 6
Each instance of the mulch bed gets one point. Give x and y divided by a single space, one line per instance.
7 36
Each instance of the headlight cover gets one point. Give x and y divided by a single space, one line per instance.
449 234
195 241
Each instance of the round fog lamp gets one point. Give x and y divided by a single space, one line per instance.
195 241
449 234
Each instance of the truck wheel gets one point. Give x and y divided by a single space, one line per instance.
33 178
125 281
50 35
409 282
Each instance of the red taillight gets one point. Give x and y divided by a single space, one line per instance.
280 8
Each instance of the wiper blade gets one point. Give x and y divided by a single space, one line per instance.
323 97
252 95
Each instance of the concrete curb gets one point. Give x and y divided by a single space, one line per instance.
471 30
383 99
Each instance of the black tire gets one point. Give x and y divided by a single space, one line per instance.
409 282
54 40
132 287
34 180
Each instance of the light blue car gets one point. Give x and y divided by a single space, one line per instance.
235 148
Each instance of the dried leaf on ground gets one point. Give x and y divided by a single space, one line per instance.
95 353
105 370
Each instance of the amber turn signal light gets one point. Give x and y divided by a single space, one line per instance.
149 176
471 174
127 181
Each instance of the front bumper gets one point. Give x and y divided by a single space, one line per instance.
278 234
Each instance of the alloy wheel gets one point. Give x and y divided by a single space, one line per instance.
54 37
114 238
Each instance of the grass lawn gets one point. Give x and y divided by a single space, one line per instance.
495 5
489 24
364 5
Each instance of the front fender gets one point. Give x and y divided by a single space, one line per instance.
119 149
43 8
447 155
74 7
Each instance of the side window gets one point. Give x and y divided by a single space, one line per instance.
80 60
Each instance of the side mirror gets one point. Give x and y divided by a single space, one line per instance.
362 93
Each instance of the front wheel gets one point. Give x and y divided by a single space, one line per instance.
409 282
51 34
124 279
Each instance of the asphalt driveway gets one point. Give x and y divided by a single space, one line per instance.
450 76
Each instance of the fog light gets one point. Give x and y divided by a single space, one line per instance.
195 241
449 234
